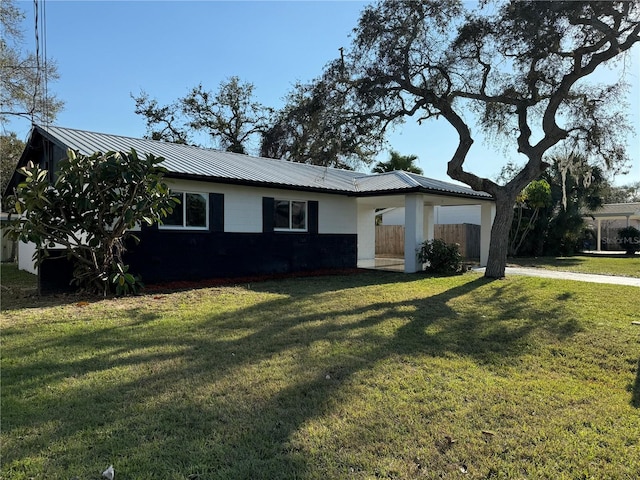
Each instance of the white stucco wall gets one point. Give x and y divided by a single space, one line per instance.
243 206
366 232
25 257
443 215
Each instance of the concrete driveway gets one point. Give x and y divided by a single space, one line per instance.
580 277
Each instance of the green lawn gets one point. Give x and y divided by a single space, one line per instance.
374 375
15 280
620 265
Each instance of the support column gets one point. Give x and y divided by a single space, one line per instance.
413 231
366 229
599 235
429 222
487 214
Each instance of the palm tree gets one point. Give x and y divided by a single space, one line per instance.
398 162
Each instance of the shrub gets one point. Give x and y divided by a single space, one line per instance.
629 239
90 211
440 256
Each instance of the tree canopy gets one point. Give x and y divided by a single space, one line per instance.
312 127
11 148
24 76
623 194
231 117
315 126
516 70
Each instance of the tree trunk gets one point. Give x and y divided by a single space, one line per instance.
497 261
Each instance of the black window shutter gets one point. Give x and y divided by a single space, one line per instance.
312 217
216 212
268 204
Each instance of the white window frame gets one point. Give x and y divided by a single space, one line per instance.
183 205
306 215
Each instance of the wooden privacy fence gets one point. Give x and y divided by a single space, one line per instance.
390 239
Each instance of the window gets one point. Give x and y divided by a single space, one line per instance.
191 212
290 215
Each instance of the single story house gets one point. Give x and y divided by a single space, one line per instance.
611 217
251 215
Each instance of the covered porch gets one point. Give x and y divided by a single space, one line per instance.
419 226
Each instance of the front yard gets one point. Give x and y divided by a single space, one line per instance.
601 264
371 375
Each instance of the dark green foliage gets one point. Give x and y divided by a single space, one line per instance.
89 211
559 228
440 256
536 196
124 282
629 238
398 162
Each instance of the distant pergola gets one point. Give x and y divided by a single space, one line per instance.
614 211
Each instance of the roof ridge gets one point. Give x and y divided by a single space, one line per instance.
408 176
396 173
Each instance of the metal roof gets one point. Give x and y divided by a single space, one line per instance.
615 210
214 165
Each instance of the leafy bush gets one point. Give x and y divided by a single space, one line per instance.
440 256
629 238
90 210
125 282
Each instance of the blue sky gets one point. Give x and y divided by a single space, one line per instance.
106 51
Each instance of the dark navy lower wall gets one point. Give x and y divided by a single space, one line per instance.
174 255
165 255
55 274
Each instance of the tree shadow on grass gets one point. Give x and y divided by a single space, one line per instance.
635 392
200 402
17 298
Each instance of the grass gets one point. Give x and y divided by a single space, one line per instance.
374 375
597 264
16 283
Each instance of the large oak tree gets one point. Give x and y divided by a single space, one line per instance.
230 116
316 126
517 71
